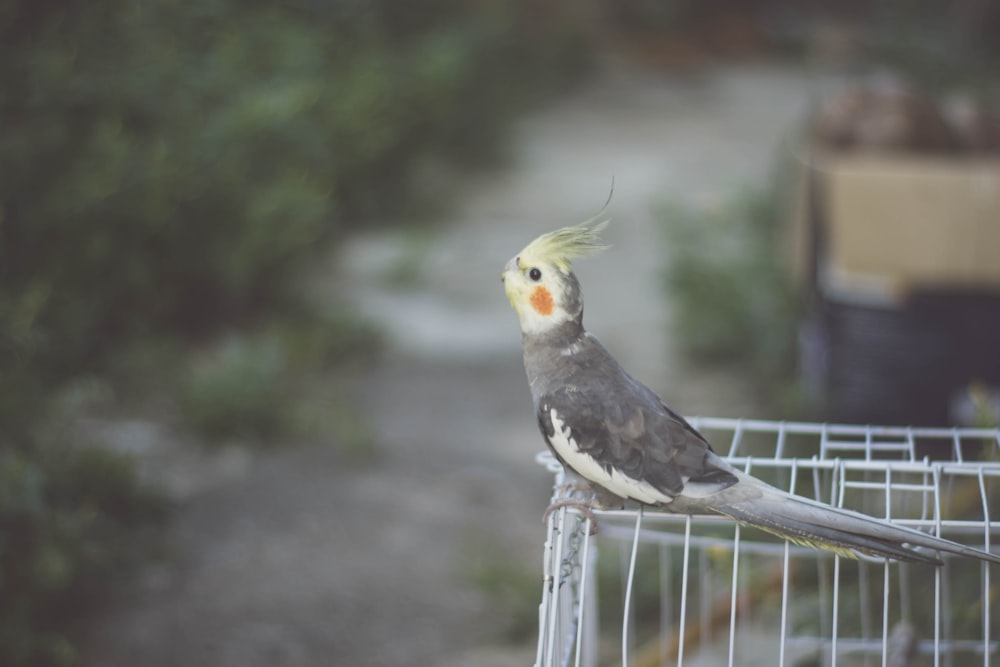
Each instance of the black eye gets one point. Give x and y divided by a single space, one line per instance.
535 274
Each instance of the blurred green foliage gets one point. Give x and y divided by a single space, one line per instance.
72 519
260 385
167 170
727 273
165 163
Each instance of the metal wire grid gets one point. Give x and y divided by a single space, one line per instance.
660 589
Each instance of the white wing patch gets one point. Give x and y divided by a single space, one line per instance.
700 489
587 466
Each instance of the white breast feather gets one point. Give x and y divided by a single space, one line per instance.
587 466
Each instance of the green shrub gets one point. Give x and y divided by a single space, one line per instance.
733 297
238 392
73 520
167 164
258 385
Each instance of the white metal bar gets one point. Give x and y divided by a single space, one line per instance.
984 499
707 590
885 614
834 631
582 616
783 632
628 588
734 597
737 438
899 486
593 604
667 601
684 591
936 478
779 447
555 581
785 575
547 583
885 571
840 478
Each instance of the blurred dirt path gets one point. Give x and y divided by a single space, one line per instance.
297 558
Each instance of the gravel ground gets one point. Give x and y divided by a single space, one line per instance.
296 557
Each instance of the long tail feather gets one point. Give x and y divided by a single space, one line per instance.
814 524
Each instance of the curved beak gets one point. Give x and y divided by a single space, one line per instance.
512 266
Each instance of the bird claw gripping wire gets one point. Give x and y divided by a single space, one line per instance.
565 497
580 505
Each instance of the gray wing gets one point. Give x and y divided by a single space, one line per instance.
629 428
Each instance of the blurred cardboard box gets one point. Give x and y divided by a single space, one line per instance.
876 228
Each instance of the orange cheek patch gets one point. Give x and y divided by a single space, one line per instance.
541 301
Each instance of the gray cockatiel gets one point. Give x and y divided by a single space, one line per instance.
612 430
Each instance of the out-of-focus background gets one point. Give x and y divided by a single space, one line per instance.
261 400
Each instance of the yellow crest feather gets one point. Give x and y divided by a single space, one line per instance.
564 245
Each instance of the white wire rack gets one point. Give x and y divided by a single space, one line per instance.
655 589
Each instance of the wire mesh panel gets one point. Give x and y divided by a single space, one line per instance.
652 588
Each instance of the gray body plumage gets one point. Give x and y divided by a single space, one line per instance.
614 418
623 426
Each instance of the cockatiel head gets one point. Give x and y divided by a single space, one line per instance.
540 283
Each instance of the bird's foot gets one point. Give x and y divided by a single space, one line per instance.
581 506
579 495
